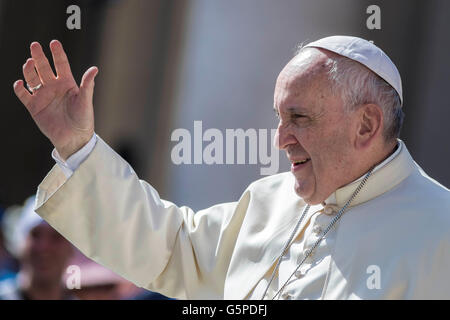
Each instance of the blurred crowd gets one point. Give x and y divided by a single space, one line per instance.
37 263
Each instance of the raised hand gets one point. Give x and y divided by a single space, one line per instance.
63 111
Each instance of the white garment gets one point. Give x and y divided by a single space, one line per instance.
311 276
74 161
309 281
398 223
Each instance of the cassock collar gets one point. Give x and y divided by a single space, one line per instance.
385 176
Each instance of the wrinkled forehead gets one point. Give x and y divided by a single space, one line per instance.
305 74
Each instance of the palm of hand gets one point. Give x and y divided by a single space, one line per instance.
62 110
59 111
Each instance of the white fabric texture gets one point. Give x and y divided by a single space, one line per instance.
74 161
398 223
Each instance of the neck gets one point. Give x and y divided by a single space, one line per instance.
372 162
386 153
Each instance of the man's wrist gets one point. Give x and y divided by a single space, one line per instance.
71 148
72 163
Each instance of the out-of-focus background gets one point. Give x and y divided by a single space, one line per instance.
167 63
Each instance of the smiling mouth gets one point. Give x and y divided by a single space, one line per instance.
301 162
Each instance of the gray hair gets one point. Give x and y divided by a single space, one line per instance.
358 85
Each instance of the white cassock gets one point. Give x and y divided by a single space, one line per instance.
392 243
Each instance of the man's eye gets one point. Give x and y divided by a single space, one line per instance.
296 116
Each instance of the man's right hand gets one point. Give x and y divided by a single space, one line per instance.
63 111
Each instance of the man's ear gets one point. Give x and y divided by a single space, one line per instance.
370 125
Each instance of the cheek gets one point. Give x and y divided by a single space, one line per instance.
328 151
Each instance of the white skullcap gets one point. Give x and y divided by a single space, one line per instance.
366 53
21 226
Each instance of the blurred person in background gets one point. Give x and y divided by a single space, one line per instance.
98 282
339 105
43 255
8 263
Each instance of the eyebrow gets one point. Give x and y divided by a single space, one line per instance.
292 110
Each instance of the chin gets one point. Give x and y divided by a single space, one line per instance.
301 189
306 192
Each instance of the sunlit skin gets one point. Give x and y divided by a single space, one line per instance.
313 124
62 110
341 145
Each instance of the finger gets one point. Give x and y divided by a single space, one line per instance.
60 60
22 93
87 83
41 63
30 74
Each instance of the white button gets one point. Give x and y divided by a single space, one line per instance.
305 252
300 273
286 296
301 257
317 229
328 210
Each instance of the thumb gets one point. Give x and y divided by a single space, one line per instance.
87 83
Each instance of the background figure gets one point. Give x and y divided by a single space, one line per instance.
8 263
43 255
35 261
97 282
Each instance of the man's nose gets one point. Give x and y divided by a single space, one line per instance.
283 137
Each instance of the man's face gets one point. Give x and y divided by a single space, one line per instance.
314 129
46 253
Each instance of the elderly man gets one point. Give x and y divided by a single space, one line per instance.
356 218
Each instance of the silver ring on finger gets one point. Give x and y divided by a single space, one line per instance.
33 89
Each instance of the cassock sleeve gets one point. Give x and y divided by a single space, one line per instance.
119 221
